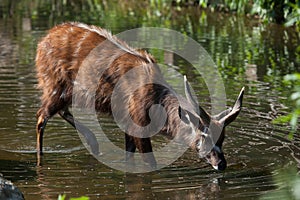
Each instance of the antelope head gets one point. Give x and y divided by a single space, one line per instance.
209 131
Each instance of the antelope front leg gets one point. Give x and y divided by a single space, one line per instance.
145 148
130 149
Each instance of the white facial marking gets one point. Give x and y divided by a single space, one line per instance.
188 117
199 144
204 134
215 167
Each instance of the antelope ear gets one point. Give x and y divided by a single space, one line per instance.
234 112
188 117
183 114
204 116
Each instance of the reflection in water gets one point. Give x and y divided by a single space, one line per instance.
246 53
26 24
251 72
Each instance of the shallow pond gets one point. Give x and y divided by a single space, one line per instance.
247 54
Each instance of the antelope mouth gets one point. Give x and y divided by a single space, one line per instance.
216 167
220 166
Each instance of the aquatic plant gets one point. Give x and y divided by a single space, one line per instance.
292 81
63 197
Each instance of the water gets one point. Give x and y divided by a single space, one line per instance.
246 53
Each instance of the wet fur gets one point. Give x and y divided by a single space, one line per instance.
59 57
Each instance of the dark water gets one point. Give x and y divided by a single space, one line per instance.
246 52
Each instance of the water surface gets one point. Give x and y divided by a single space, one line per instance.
247 54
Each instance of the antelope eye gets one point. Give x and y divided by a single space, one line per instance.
199 143
204 132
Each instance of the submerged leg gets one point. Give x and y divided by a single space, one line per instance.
42 119
50 106
87 133
40 127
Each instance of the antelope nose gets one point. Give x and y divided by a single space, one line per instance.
222 165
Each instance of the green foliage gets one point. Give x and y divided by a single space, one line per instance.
288 185
237 5
279 11
294 81
294 16
63 197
